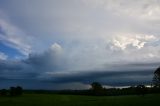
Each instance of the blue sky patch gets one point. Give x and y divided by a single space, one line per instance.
11 52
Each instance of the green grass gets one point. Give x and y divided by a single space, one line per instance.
75 100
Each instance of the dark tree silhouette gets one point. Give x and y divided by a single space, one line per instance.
156 78
97 88
12 91
3 92
19 90
141 90
15 91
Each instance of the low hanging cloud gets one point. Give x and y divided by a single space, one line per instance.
106 77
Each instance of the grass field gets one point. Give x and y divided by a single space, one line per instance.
75 100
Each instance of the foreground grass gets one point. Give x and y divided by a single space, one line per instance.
75 100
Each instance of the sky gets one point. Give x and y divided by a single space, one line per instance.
68 44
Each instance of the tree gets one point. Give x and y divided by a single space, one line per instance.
97 88
141 90
15 91
19 90
3 92
156 78
12 91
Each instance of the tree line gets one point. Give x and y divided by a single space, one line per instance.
12 91
97 88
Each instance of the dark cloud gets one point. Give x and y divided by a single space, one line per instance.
16 70
147 64
66 80
108 77
38 84
49 67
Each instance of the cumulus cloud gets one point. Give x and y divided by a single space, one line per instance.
50 60
124 41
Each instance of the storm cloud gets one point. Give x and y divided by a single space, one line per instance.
48 68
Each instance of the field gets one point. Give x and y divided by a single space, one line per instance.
76 100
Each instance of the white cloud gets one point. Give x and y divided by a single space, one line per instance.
3 56
124 41
144 9
14 37
56 48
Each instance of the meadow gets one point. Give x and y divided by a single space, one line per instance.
77 100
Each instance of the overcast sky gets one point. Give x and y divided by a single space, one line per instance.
67 44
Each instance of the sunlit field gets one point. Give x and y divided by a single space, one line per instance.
77 100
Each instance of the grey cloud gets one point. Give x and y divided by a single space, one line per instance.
35 64
38 84
15 70
119 77
50 60
34 69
